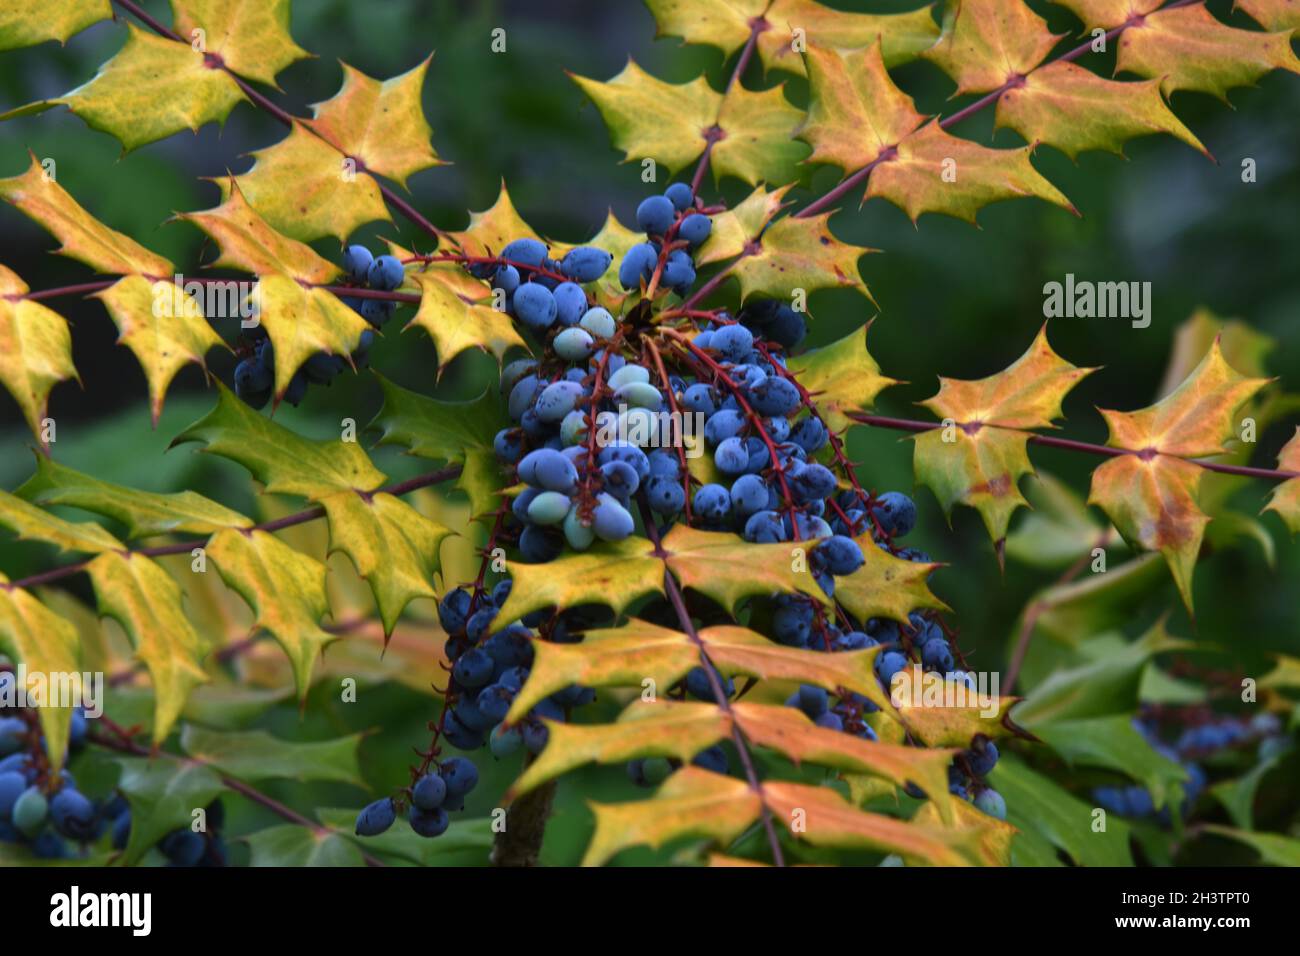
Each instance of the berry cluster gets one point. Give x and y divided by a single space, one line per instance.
255 374
185 847
431 797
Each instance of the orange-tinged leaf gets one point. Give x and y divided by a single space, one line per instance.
936 172
692 802
456 325
1107 13
842 378
83 237
163 326
611 573
35 349
251 36
302 189
1272 14
488 231
944 713
886 586
1285 498
855 112
800 253
1188 49
729 569
985 43
820 816
380 123
979 459
1075 110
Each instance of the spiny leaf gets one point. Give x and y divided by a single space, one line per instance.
692 802
756 143
1112 744
1273 849
163 794
855 112
736 228
293 845
821 817
1075 110
301 187
648 117
251 36
985 43
124 96
995 835
980 460
248 243
1108 13
302 322
33 635
30 523
456 325
936 172
255 755
1188 49
727 25
467 842
285 589
283 461
1151 495
488 231
886 586
800 253
147 602
380 123
29 22
612 573
144 513
842 377
35 350
1285 498
728 569
435 429
1272 14
392 546
953 713
165 328
82 236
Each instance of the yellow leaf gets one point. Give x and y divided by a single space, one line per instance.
1272 14
1285 498
29 22
30 523
163 337
985 43
83 237
994 835
250 36
757 130
35 350
380 123
692 802
1188 49
488 231
613 574
456 325
302 322
855 112
955 714
648 117
980 457
302 189
842 377
936 172
800 253
392 546
33 635
1108 13
886 586
1075 110
148 603
285 589
728 569
736 228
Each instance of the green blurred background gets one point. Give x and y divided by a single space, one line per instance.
952 299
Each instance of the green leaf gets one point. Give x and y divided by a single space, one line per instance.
147 602
1237 794
1059 529
285 590
1070 612
255 755
1273 849
392 546
163 795
842 377
30 523
35 350
163 337
1188 49
125 97
1036 804
291 845
144 513
280 459
29 22
466 842
1285 498
251 36
380 123
1112 743
46 643
985 43
436 429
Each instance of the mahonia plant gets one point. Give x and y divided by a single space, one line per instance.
666 512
